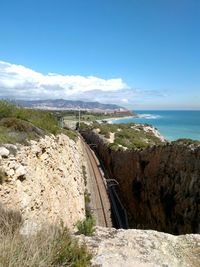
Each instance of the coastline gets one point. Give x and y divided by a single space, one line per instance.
110 120
172 125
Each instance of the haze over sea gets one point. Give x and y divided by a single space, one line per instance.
171 124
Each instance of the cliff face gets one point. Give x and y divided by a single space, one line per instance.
158 186
44 182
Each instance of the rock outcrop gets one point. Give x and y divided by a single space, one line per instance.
158 186
44 182
143 248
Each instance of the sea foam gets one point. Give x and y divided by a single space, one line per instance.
149 116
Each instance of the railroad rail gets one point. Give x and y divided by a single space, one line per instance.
103 212
106 192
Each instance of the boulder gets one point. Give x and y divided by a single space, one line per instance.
12 148
20 171
4 152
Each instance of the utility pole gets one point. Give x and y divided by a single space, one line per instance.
79 118
62 122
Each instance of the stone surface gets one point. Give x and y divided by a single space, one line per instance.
143 248
45 183
4 152
12 148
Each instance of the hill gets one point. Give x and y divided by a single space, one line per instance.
62 104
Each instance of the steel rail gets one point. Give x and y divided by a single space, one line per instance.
92 163
118 209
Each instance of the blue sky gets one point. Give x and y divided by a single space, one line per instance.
136 53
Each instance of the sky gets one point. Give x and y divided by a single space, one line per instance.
141 54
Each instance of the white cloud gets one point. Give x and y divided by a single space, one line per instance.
124 100
20 82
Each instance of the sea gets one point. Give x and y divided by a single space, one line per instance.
171 124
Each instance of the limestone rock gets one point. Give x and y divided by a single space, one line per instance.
143 248
4 152
41 184
20 171
12 148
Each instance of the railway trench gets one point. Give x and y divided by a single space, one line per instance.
105 204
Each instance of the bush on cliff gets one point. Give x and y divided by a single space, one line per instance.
19 124
42 119
125 135
186 141
86 227
70 133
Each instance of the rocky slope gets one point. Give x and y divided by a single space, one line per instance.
159 186
43 181
143 248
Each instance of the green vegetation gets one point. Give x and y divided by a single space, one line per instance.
87 204
129 136
84 174
92 116
39 118
17 125
86 227
52 246
185 141
67 252
70 133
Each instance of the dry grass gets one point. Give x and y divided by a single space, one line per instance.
51 247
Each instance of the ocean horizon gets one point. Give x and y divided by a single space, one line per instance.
172 124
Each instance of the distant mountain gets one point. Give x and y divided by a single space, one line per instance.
62 104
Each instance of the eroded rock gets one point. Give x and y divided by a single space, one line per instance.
143 248
41 184
4 152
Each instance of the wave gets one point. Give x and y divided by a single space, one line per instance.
149 116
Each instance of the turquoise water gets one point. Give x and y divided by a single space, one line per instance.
171 124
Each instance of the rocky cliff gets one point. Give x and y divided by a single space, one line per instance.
143 248
43 181
159 186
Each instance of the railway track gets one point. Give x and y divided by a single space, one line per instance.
106 197
101 203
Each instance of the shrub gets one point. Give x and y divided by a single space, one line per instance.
16 124
52 246
86 226
13 130
70 133
67 252
84 174
186 141
40 118
6 109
